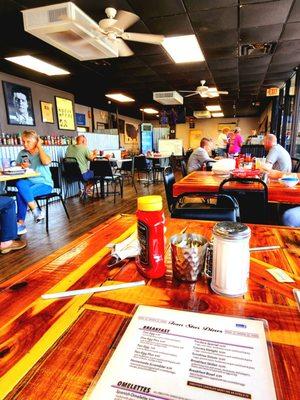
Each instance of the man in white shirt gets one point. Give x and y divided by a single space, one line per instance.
200 155
278 158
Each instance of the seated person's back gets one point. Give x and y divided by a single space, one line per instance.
199 156
277 158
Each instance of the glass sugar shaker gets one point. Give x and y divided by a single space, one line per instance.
231 258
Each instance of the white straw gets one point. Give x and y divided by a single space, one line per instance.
264 248
92 290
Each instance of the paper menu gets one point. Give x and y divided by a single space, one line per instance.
177 355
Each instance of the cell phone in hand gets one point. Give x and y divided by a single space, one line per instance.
25 160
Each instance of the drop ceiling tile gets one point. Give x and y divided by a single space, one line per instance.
196 5
222 64
254 61
288 47
223 52
291 32
269 33
160 9
171 26
214 40
267 13
220 18
295 13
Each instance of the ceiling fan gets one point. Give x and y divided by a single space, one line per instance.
71 30
114 27
204 91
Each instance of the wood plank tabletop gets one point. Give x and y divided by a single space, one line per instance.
207 181
57 349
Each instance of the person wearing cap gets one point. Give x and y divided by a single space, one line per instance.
235 141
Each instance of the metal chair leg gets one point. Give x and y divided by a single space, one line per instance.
64 206
47 220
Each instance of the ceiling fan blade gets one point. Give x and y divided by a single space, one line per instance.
193 94
124 50
187 91
222 92
143 37
125 19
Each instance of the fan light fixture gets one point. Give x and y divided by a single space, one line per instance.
183 48
213 108
37 65
217 114
149 110
119 97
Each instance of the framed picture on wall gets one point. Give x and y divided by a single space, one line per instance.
47 112
131 134
18 103
65 114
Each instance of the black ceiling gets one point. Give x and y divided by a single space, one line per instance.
220 26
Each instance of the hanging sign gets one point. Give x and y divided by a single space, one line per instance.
273 91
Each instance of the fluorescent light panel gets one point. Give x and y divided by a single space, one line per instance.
213 108
119 97
37 65
183 48
217 114
149 110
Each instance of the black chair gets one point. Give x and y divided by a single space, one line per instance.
256 150
209 164
225 209
126 170
183 168
56 177
295 164
140 165
103 172
253 203
71 173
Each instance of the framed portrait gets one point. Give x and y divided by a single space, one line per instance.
47 112
18 103
65 114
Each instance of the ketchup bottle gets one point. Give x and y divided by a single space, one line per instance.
151 222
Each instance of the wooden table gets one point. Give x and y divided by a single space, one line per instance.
206 181
57 349
5 178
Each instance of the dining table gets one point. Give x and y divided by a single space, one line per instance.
58 348
208 181
11 177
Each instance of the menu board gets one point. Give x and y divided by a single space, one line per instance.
177 355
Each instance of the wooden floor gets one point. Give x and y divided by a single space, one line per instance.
83 218
61 231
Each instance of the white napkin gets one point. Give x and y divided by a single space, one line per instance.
126 249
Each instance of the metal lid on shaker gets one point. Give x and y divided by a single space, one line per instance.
231 230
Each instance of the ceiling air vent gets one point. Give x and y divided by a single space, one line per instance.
168 98
257 49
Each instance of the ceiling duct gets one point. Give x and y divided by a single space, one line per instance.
257 49
168 98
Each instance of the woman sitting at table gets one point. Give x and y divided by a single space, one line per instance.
32 156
